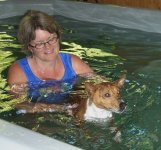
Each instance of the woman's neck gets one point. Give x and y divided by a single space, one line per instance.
47 70
45 65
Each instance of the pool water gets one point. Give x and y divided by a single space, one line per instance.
111 52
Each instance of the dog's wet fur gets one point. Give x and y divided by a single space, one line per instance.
102 100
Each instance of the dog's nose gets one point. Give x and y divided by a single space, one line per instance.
122 106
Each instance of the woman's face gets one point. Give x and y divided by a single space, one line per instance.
45 46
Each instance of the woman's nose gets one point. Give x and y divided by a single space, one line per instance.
46 44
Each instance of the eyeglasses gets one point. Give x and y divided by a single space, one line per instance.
51 40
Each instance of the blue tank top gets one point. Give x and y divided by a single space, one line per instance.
50 91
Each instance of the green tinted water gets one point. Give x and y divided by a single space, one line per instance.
110 51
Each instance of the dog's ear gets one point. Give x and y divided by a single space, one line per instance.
89 87
121 81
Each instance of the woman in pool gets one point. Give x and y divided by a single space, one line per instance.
40 35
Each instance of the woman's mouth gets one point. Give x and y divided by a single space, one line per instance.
48 51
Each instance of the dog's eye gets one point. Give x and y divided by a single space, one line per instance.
107 95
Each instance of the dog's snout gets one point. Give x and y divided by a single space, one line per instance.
122 106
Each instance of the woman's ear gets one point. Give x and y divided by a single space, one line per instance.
30 49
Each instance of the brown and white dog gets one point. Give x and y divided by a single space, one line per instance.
102 100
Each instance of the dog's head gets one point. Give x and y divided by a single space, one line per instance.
106 95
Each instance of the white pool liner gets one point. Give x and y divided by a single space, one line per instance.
13 137
132 18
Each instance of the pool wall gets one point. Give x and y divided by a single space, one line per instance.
19 138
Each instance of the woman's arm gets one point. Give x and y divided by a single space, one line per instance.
16 75
16 79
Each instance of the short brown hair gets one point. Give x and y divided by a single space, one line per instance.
33 20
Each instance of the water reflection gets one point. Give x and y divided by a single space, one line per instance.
111 52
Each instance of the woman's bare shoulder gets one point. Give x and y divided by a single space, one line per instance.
79 65
16 74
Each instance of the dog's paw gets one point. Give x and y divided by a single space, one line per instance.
68 108
71 106
113 129
117 138
21 111
117 134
